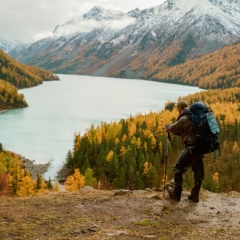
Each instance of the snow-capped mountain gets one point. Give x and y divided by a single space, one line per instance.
97 17
7 44
213 20
147 42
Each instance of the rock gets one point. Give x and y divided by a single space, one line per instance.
122 192
233 193
91 229
115 233
150 236
33 168
139 191
87 188
157 197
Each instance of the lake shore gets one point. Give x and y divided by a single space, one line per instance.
3 111
46 135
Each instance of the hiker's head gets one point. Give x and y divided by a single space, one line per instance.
181 105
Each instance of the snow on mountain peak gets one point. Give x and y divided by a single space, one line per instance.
97 17
225 12
203 5
100 13
7 44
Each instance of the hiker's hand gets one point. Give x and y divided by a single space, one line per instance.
166 128
167 131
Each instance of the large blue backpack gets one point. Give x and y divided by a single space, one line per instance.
205 127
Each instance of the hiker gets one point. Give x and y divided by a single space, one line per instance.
189 157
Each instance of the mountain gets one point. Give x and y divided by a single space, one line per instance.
20 75
97 17
218 69
7 44
154 40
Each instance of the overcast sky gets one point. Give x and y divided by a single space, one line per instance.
26 20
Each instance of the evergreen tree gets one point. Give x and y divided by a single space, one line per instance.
49 184
38 182
89 179
139 182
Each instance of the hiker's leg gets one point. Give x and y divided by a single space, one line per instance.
182 164
198 170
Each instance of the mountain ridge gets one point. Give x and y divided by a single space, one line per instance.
14 75
20 75
180 29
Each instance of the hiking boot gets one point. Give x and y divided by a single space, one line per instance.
173 194
193 198
171 183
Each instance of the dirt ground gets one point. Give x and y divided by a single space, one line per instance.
99 214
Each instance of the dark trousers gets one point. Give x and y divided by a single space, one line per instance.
189 158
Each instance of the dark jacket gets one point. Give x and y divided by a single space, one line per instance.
183 128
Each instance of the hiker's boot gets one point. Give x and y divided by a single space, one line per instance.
194 196
171 183
176 191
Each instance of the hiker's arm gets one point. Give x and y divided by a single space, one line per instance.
177 127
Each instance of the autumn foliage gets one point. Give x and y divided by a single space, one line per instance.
75 182
15 180
9 96
131 153
219 69
20 75
14 75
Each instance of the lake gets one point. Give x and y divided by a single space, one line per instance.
44 131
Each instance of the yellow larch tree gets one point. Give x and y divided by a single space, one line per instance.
124 138
27 186
132 129
122 151
139 143
75 182
109 156
77 142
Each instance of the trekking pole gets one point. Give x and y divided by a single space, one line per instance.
166 163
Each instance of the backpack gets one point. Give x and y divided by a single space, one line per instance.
205 127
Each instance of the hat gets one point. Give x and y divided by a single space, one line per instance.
182 104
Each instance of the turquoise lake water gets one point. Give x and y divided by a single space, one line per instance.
44 131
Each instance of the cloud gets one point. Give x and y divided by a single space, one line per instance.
80 25
42 35
27 20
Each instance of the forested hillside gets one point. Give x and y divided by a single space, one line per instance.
14 179
131 153
219 69
20 75
9 96
14 75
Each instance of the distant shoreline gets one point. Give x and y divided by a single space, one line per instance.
2 111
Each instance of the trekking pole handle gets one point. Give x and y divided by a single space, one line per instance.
169 137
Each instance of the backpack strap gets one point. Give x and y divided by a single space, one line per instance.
185 113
